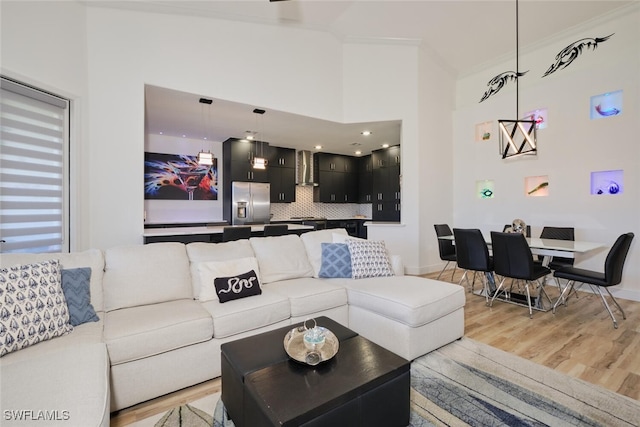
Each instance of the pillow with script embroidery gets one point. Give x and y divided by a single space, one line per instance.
235 287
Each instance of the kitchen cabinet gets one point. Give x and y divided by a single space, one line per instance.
337 178
365 179
281 170
237 156
386 184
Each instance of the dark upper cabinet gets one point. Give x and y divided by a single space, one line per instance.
337 178
282 157
237 156
281 169
336 163
386 184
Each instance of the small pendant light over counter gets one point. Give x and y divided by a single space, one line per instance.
205 158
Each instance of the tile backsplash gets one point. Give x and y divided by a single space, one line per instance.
305 206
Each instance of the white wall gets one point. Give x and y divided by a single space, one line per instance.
287 70
44 44
570 148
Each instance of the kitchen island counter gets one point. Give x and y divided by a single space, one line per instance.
206 233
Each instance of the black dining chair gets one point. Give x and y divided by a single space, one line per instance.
276 229
558 233
512 258
472 254
446 248
236 232
613 266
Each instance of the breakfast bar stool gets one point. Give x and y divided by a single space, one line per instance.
276 229
236 233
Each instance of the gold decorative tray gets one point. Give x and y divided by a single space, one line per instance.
295 348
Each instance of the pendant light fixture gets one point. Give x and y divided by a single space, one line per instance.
259 162
205 158
517 137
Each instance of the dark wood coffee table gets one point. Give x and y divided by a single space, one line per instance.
363 385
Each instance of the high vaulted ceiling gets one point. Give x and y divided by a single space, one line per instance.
463 36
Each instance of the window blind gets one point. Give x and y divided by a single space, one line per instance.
33 169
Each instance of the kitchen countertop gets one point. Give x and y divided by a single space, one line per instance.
215 229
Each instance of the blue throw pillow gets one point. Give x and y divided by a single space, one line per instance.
75 285
235 287
336 261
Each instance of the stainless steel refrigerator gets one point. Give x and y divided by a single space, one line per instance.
250 203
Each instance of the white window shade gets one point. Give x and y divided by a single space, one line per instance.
33 170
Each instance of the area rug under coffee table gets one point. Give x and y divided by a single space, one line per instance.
470 383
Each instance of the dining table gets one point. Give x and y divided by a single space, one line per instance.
547 248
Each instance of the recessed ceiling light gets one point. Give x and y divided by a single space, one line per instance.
318 147
358 152
385 145
184 136
366 132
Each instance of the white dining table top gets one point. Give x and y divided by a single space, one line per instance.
577 246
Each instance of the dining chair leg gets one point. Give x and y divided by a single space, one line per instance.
497 291
624 316
454 271
442 271
562 299
526 287
464 277
596 289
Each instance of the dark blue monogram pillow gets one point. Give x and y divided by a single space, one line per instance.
240 286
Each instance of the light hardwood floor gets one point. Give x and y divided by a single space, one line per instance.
579 340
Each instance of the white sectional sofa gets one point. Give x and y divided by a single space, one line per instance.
155 335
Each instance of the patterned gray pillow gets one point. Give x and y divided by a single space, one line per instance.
369 259
75 285
32 305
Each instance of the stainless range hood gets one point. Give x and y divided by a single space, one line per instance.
305 168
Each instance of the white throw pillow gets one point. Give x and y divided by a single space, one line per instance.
281 258
369 259
210 270
313 241
203 252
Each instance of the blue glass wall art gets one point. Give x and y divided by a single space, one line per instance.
606 105
607 182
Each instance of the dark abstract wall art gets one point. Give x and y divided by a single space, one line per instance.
499 81
573 51
179 177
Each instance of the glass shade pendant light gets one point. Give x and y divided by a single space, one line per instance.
517 137
259 162
205 158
